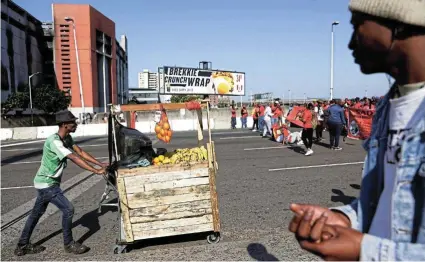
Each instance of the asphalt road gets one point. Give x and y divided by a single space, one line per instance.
257 181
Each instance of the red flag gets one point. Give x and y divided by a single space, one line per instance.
293 116
359 122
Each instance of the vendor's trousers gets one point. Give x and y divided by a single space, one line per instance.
267 126
45 196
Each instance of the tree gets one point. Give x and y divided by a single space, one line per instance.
45 97
16 100
50 99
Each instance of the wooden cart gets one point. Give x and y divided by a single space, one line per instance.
168 200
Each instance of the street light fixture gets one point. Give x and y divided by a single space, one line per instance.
334 23
289 98
69 19
30 89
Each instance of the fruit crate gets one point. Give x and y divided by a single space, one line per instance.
168 200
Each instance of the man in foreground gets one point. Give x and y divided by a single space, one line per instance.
387 221
56 151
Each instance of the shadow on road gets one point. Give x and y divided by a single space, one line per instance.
341 197
89 220
325 145
355 186
259 252
162 241
17 158
297 149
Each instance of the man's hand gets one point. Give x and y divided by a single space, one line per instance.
344 245
104 164
333 218
100 171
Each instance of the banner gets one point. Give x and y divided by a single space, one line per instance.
195 81
293 116
359 122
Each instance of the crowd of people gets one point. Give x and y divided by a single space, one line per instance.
271 120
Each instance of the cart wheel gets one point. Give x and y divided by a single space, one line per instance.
118 249
214 238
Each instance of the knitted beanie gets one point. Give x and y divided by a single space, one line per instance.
410 12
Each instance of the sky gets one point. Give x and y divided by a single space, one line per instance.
281 45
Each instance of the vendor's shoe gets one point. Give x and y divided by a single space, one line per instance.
76 248
28 249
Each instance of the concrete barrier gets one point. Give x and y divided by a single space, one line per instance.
45 131
179 122
6 133
24 133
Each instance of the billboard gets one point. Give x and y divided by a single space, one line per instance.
196 81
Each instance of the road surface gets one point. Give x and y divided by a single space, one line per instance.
257 181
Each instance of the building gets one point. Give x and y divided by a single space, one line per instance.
144 95
100 69
148 80
213 100
29 46
23 50
122 70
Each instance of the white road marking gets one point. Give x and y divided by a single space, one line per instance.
9 235
265 148
33 162
22 143
227 133
239 137
37 148
15 187
306 167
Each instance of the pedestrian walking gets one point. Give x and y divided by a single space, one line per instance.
56 150
233 118
320 118
244 116
267 121
335 123
307 133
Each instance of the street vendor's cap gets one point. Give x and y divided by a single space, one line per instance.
411 12
64 117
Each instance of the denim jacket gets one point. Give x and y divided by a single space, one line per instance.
408 212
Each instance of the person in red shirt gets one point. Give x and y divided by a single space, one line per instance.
357 103
233 119
244 115
276 110
255 115
307 133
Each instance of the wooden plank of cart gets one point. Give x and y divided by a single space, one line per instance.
168 200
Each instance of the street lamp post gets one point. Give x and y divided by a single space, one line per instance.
335 23
289 98
30 89
69 19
